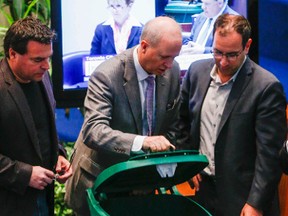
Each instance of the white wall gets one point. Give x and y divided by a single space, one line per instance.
80 17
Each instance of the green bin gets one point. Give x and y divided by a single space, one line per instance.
111 192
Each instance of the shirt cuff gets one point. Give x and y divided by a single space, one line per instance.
138 143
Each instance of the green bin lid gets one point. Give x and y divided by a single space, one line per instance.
140 172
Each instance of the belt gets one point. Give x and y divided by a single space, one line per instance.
206 177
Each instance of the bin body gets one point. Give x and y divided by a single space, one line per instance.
112 192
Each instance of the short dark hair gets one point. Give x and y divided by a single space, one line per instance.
24 30
129 2
238 23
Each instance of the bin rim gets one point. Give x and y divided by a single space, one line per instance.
140 172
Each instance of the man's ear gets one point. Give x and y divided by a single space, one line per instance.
247 46
12 53
144 45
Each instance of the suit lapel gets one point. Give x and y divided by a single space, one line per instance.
239 85
202 20
110 36
132 91
200 93
49 97
162 95
20 99
131 36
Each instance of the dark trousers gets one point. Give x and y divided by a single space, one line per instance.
207 195
208 198
41 208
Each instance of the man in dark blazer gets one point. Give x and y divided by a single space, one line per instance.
233 111
115 124
211 10
29 152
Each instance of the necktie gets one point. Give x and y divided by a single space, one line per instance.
201 40
149 96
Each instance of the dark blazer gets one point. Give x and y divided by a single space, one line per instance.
19 145
113 118
197 26
251 133
103 40
284 159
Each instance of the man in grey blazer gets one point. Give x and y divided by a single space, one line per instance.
30 155
233 111
115 124
200 41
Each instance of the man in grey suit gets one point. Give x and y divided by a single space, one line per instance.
115 118
233 111
201 38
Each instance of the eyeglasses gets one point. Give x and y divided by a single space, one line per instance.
115 7
232 56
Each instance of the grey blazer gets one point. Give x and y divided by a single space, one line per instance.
113 118
19 145
251 133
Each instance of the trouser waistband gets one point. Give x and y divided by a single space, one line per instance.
207 177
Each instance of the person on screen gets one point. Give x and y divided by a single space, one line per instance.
30 156
200 40
118 33
116 123
234 112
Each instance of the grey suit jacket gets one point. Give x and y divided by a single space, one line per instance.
113 118
251 133
19 144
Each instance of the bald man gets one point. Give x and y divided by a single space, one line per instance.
116 121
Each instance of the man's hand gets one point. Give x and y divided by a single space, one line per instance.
63 170
40 177
192 48
249 210
157 144
196 182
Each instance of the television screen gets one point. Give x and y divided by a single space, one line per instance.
75 22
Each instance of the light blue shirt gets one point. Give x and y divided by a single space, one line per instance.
141 76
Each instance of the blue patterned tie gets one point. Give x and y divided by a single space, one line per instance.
149 96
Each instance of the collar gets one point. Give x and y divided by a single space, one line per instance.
131 21
216 78
141 73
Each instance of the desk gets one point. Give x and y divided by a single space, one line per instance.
186 60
